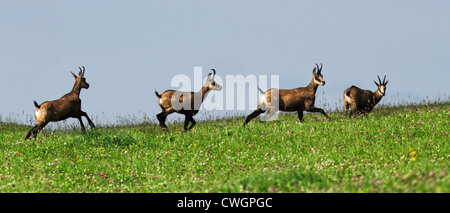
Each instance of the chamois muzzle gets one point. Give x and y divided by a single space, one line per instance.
217 87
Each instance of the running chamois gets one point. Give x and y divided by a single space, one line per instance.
68 106
186 103
294 100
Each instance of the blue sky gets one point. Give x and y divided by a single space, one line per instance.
131 48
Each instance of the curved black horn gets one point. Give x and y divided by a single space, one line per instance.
384 79
379 80
316 69
81 72
319 69
84 69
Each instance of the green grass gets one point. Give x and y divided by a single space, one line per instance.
394 149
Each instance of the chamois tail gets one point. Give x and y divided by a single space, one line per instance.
157 94
36 105
347 94
260 90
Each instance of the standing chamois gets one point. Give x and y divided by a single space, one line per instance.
68 106
363 101
299 99
186 103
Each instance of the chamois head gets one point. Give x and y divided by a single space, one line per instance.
81 78
318 77
381 85
210 83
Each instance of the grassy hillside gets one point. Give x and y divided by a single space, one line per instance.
394 149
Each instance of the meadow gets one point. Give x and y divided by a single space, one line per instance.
394 149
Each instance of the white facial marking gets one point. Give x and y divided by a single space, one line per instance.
318 82
382 90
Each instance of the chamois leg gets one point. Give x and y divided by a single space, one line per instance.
162 119
315 109
269 114
32 130
346 105
40 127
35 130
89 120
186 122
192 123
189 119
353 110
300 115
83 129
253 115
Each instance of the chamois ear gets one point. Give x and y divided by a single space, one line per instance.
74 75
214 74
314 70
209 77
376 83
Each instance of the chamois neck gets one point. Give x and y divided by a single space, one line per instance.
313 85
204 91
377 96
76 88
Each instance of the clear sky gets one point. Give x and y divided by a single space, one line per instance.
130 48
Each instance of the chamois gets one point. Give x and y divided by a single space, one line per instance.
298 99
68 106
186 103
363 101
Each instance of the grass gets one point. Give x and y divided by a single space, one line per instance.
393 149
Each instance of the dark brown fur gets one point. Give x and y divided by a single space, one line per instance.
363 101
294 100
68 106
186 103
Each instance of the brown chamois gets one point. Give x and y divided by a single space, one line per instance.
68 106
186 103
363 101
299 99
